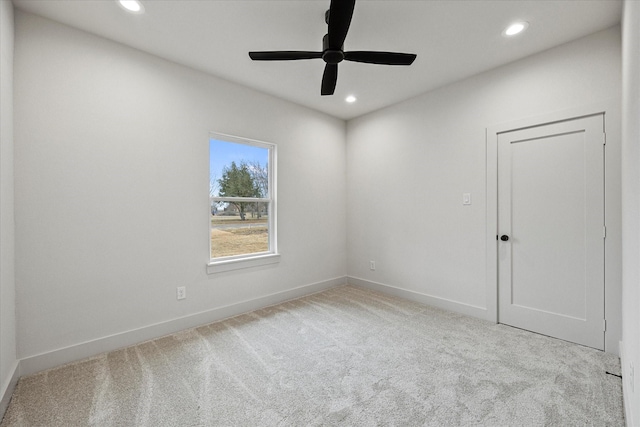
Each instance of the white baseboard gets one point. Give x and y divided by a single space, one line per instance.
40 362
7 388
626 393
446 304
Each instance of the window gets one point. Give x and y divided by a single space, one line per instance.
242 224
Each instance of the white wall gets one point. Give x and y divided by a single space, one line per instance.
111 202
631 208
8 362
409 164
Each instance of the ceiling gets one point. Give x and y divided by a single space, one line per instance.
453 39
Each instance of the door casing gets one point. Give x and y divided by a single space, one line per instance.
613 247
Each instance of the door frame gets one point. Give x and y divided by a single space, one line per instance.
613 210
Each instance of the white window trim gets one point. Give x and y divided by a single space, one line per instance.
246 261
271 256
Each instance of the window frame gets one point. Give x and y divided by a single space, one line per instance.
254 259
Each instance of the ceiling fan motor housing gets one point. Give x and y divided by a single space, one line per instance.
330 56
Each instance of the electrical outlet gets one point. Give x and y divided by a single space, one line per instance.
372 265
181 292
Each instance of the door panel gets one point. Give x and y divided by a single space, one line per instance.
551 205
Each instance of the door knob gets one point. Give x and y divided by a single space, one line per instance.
504 237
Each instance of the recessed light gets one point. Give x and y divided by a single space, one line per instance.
350 99
133 6
515 28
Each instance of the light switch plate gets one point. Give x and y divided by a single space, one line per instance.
466 198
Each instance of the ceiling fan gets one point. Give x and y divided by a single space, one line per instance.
338 18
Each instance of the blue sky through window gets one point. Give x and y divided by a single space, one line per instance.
222 153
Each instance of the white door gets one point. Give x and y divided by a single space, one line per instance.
551 210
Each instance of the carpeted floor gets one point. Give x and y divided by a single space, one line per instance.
346 356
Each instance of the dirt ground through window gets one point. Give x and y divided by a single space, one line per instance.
238 241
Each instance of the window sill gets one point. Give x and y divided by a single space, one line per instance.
240 263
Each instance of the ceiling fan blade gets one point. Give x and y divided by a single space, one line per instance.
385 58
329 79
284 55
340 13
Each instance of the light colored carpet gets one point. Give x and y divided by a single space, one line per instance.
346 356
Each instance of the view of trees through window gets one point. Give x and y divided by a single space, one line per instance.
240 199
